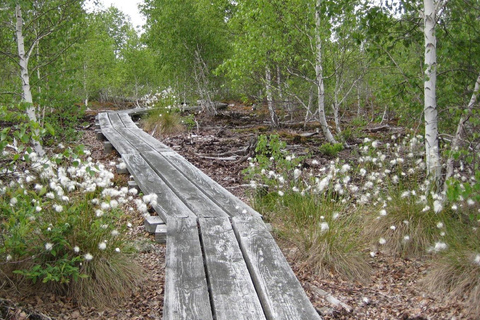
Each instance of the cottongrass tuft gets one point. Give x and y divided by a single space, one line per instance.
456 275
415 229
327 241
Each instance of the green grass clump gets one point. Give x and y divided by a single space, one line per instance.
164 121
328 242
456 273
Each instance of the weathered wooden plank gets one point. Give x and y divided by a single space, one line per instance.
135 139
103 120
117 140
127 120
222 197
155 143
168 204
186 292
186 190
280 292
117 123
151 223
232 289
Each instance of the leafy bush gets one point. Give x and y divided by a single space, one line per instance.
61 228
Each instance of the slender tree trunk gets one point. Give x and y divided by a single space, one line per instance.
430 103
457 140
268 88
336 104
359 101
85 84
319 76
23 63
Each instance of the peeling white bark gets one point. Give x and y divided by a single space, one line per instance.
319 76
430 100
23 62
268 88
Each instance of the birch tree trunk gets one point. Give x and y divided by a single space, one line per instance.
430 100
268 88
23 63
457 139
319 76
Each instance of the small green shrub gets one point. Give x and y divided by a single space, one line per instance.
272 165
331 150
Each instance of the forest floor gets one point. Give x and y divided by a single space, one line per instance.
392 293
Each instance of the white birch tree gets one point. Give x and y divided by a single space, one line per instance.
25 77
319 75
430 99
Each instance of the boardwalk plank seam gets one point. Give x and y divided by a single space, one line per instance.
221 261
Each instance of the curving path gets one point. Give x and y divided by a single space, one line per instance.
222 263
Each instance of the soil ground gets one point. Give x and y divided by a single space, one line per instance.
392 293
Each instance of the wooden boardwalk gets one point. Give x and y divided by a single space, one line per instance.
221 261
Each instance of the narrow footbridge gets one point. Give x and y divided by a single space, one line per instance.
221 262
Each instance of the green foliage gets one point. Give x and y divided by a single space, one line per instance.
61 241
194 41
18 132
331 150
189 121
63 123
272 163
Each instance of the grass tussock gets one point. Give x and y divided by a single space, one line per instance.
109 282
328 243
402 228
163 121
456 274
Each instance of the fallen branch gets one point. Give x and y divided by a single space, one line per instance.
231 158
385 127
330 299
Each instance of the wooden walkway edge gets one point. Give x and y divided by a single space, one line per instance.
221 260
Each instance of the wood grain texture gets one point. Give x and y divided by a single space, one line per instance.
132 137
231 287
103 120
118 141
280 292
218 194
127 120
115 120
192 196
168 203
186 292
153 142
